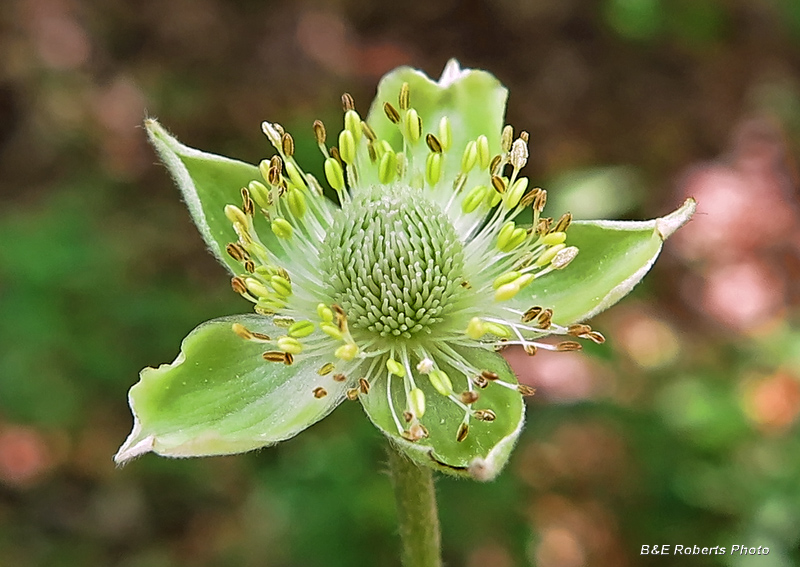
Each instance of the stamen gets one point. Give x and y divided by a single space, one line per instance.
526 390
391 113
363 386
340 378
484 415
463 431
469 397
320 392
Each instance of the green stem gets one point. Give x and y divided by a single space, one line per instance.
416 511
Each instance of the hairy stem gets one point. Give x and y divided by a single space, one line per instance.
416 511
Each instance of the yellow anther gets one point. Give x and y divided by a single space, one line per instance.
404 100
290 345
387 168
395 367
500 330
470 157
476 328
416 402
282 286
257 288
548 255
413 125
346 352
294 175
326 369
301 329
332 331
507 137
482 145
525 279
235 214
260 193
281 228
445 133
334 174
516 238
506 291
297 203
325 313
554 238
347 147
474 198
505 234
441 382
515 193
503 279
433 168
287 144
352 123
263 168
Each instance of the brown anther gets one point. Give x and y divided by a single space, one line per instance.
421 428
247 203
578 330
334 151
242 331
339 377
287 144
466 285
341 318
236 251
373 155
499 184
260 336
469 397
524 136
249 266
530 350
320 392
433 143
285 275
391 113
274 176
530 197
414 433
363 386
288 358
404 99
596 337
480 381
563 223
326 369
531 314
500 347
568 346
274 356
544 225
484 415
463 431
540 201
347 102
408 416
352 394
368 132
319 132
526 390
545 319
459 181
489 375
238 285
494 165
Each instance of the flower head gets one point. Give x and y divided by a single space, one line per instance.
437 255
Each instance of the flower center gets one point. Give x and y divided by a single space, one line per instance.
395 262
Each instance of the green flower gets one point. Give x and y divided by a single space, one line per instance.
399 296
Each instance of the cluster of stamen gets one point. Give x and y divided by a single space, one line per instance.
414 265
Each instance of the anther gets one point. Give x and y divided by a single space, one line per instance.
363 386
425 366
480 381
433 168
395 367
320 392
368 132
470 157
433 143
567 346
499 184
463 431
346 351
319 132
473 199
235 214
274 356
596 337
416 402
236 252
530 350
287 144
441 382
290 345
301 329
489 375
482 145
339 377
242 331
352 394
484 415
526 390
578 330
326 369
524 136
391 113
408 416
545 318
413 125
563 223
347 147
469 397
347 102
281 228
506 138
414 433
294 175
564 257
494 165
260 194
445 133
515 193
334 174
238 285
404 100
519 153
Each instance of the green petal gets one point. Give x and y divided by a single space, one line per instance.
473 100
614 256
488 445
221 397
208 183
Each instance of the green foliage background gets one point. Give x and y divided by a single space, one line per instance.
101 273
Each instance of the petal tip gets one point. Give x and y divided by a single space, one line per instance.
667 225
452 72
133 448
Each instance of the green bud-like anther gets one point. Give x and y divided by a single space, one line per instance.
301 329
334 174
282 228
441 382
347 147
416 402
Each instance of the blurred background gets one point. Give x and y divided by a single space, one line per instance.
681 429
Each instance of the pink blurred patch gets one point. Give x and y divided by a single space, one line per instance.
558 376
773 403
24 456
